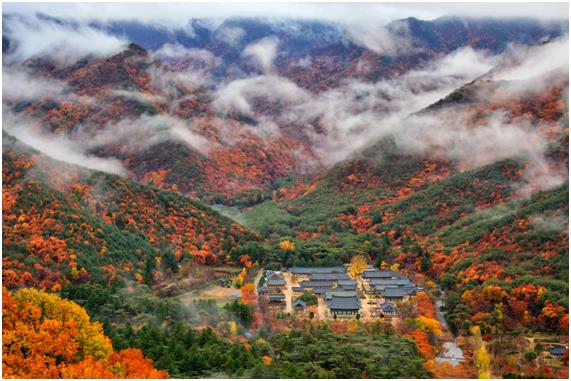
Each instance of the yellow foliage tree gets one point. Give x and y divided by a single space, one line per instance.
286 245
431 325
233 327
357 266
482 357
44 336
89 336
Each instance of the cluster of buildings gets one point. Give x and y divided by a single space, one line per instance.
332 284
340 295
389 285
273 288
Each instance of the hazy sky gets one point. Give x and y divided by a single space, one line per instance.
179 13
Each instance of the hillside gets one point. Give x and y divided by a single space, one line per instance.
235 124
63 223
325 195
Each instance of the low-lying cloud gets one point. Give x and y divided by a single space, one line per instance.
31 36
58 147
143 132
263 52
535 61
19 85
388 40
238 96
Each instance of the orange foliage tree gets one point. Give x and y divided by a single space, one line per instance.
44 336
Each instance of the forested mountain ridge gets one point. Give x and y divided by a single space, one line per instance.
156 178
65 223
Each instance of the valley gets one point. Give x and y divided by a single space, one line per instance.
251 197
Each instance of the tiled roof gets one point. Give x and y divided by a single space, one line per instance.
273 275
329 276
275 282
388 307
349 282
395 292
322 290
380 274
316 270
556 350
299 303
391 282
321 283
341 293
344 303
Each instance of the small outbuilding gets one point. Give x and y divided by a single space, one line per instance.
277 299
299 305
388 309
556 351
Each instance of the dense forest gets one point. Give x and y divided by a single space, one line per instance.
192 165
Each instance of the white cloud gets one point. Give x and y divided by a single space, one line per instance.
143 132
178 14
58 147
264 52
383 40
535 60
19 85
238 95
178 52
344 119
230 35
32 36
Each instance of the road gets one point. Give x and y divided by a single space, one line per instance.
257 279
451 352
288 292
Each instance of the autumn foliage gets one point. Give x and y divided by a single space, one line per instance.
44 336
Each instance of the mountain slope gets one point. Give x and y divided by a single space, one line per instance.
64 223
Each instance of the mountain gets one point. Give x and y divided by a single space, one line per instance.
154 176
318 55
227 141
64 223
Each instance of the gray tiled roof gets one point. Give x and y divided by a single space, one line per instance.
329 276
277 297
316 270
341 293
273 275
321 283
380 274
344 303
322 290
275 282
348 282
557 350
389 282
388 307
395 292
299 303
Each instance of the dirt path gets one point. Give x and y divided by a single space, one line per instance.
451 352
322 312
288 292
366 314
257 279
